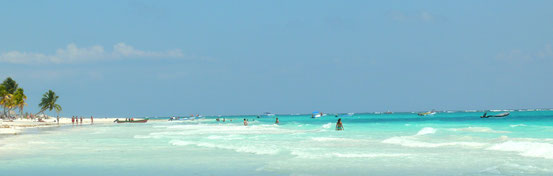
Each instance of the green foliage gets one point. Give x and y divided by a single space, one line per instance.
19 98
11 96
3 92
10 85
48 102
5 97
7 101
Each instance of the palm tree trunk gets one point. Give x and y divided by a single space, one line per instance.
7 112
4 113
41 111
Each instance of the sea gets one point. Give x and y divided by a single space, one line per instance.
446 143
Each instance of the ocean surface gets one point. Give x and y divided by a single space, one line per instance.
447 143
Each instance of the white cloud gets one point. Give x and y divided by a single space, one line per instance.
72 54
520 55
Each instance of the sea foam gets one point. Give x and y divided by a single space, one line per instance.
426 130
517 125
524 148
414 141
409 141
479 130
243 149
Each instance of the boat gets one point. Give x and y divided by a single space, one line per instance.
505 114
132 121
427 113
268 114
317 114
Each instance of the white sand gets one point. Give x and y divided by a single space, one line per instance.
17 126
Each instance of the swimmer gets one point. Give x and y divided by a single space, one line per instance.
339 126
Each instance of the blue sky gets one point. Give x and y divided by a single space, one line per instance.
159 58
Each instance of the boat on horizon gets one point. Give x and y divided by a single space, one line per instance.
427 113
317 114
268 114
505 114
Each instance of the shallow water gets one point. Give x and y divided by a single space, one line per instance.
458 143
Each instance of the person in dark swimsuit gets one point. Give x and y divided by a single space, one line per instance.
339 125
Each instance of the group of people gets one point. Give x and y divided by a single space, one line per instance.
77 120
246 121
339 125
218 120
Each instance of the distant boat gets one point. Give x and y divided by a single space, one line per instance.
505 114
132 121
317 114
427 113
268 114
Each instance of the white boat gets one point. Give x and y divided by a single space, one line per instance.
317 114
268 114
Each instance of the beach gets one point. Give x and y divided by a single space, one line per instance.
17 126
454 143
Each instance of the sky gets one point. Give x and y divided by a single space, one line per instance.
164 58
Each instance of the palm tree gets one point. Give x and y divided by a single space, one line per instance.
10 85
19 98
6 100
48 102
3 97
7 89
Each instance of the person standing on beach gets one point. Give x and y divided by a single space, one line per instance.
81 120
276 122
245 122
73 120
339 126
91 120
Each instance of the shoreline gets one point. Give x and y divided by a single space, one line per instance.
19 126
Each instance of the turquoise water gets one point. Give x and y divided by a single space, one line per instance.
457 143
